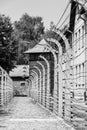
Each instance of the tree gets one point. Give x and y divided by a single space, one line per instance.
7 44
52 26
29 31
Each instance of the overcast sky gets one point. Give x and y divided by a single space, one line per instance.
49 10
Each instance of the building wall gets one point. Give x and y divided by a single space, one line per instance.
78 68
21 87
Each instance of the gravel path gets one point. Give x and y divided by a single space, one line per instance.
24 114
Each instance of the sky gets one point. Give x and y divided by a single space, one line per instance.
49 10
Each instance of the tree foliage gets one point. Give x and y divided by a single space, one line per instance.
29 31
7 44
17 38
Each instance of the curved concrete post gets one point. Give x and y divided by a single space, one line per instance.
31 77
43 86
41 70
58 84
48 81
30 86
44 81
39 81
67 70
36 78
51 104
34 90
63 72
67 45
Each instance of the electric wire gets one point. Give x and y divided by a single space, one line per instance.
63 13
69 15
84 50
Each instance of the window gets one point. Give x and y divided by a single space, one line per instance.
83 71
79 74
79 39
76 76
22 84
83 36
75 42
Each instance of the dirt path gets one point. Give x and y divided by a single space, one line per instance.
24 114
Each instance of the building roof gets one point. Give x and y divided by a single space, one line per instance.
20 71
41 47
